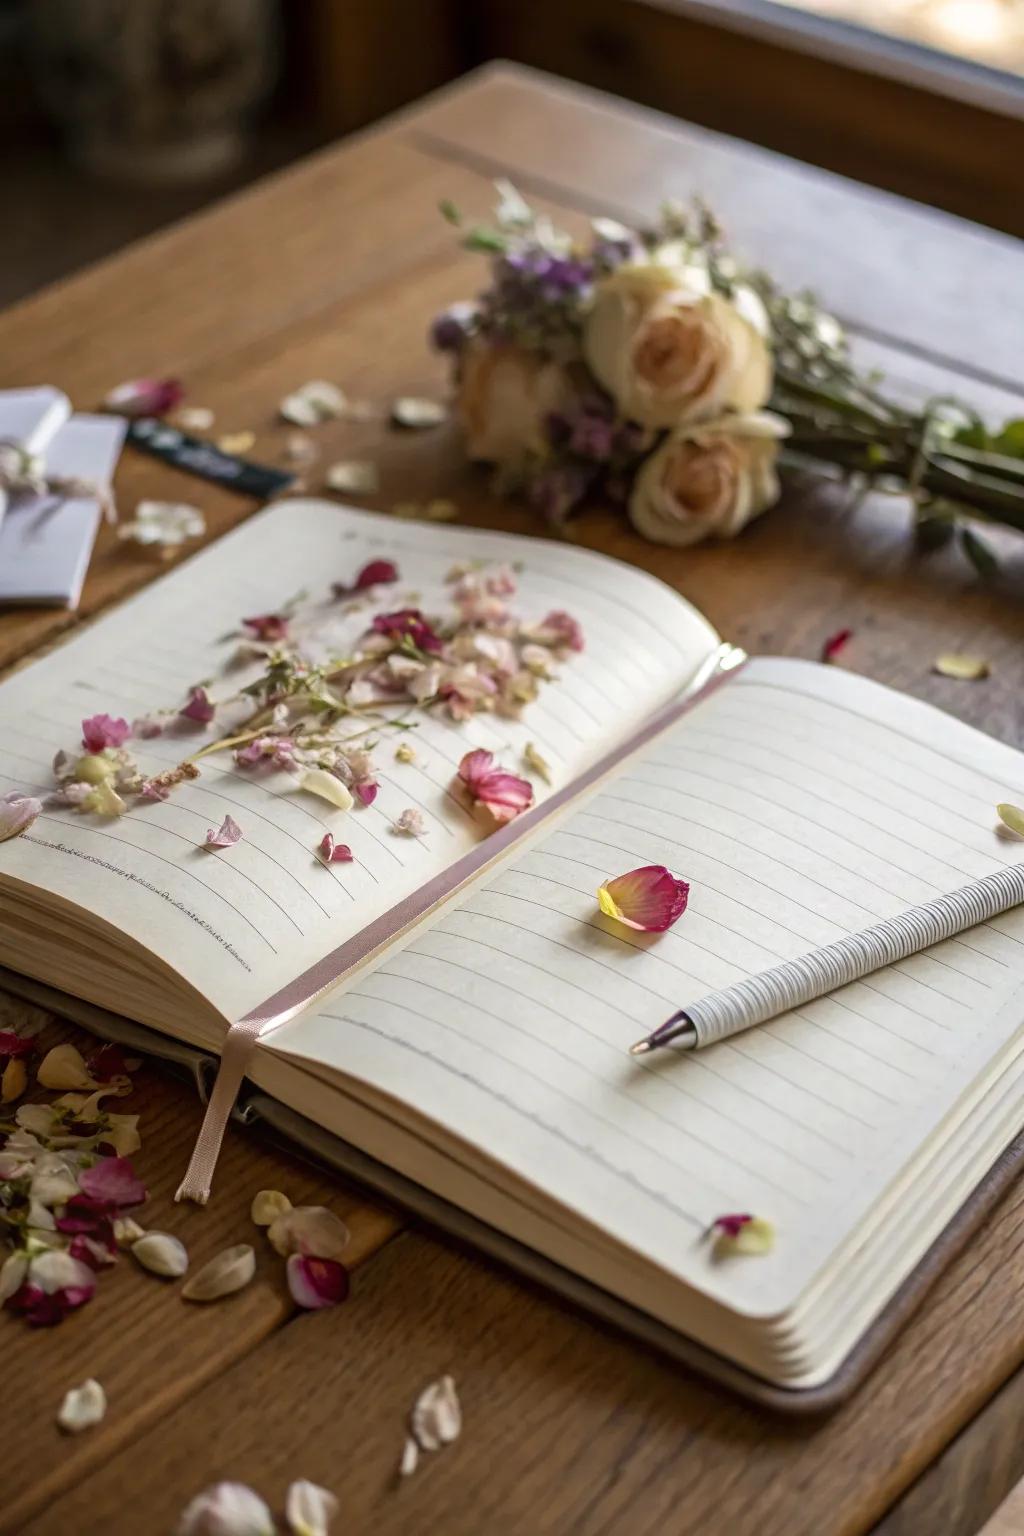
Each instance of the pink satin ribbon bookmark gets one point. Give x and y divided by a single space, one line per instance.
234 1061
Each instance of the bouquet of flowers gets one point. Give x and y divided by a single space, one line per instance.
648 368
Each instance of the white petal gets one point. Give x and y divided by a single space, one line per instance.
56 1270
267 1206
437 1415
410 1457
82 1407
309 1509
411 411
356 477
319 782
17 813
229 1272
226 1509
161 1254
13 1272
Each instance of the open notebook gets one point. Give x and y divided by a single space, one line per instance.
482 1053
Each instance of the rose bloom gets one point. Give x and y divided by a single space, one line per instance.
670 351
505 395
708 481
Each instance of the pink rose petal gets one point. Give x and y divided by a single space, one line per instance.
503 794
366 792
226 835
334 853
268 626
113 1179
104 731
316 1283
560 628
199 707
377 573
145 397
650 899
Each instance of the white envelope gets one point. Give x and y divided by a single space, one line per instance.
45 543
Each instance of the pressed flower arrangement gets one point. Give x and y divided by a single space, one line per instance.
646 367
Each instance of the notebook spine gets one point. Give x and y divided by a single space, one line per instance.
814 975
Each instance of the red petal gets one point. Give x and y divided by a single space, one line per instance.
650 899
316 1282
835 643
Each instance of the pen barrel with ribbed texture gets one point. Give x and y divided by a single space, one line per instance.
787 986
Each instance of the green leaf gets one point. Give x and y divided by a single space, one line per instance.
450 212
978 553
1011 439
482 239
972 437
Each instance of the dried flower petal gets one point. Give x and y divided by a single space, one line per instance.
12 1274
539 765
195 418
650 899
411 822
64 1067
199 706
82 1407
741 1234
312 403
408 624
319 782
1012 817
102 731
316 1283
836 643
405 752
14 1080
502 794
415 412
267 1206
236 442
229 1272
310 1230
410 1457
334 853
355 477
309 1509
163 523
17 813
162 1254
300 448
127 1231
226 835
112 1179
967 669
104 800
144 397
268 626
226 1509
436 1417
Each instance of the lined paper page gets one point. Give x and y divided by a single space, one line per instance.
239 924
791 799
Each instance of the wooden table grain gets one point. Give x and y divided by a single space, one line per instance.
333 269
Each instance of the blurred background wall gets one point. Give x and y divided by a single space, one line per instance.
118 116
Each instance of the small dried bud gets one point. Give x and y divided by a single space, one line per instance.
127 1231
230 1271
161 1254
226 1509
268 1205
309 1509
82 1407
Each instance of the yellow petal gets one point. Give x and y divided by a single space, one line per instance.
966 669
1013 817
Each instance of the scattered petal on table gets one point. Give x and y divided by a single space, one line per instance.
236 442
436 1417
415 412
229 1272
836 643
356 477
162 1254
967 669
267 1206
309 1509
226 1509
163 523
82 1407
144 397
316 1283
195 418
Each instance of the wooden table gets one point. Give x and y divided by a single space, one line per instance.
333 270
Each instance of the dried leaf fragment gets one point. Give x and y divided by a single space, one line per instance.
356 477
229 1272
267 1206
436 1417
967 669
82 1407
1012 817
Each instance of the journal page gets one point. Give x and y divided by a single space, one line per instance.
801 804
240 921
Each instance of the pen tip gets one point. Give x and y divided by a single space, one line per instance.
640 1048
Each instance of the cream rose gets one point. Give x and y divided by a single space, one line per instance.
505 395
670 351
709 480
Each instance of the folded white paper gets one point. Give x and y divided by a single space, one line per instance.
46 542
29 418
